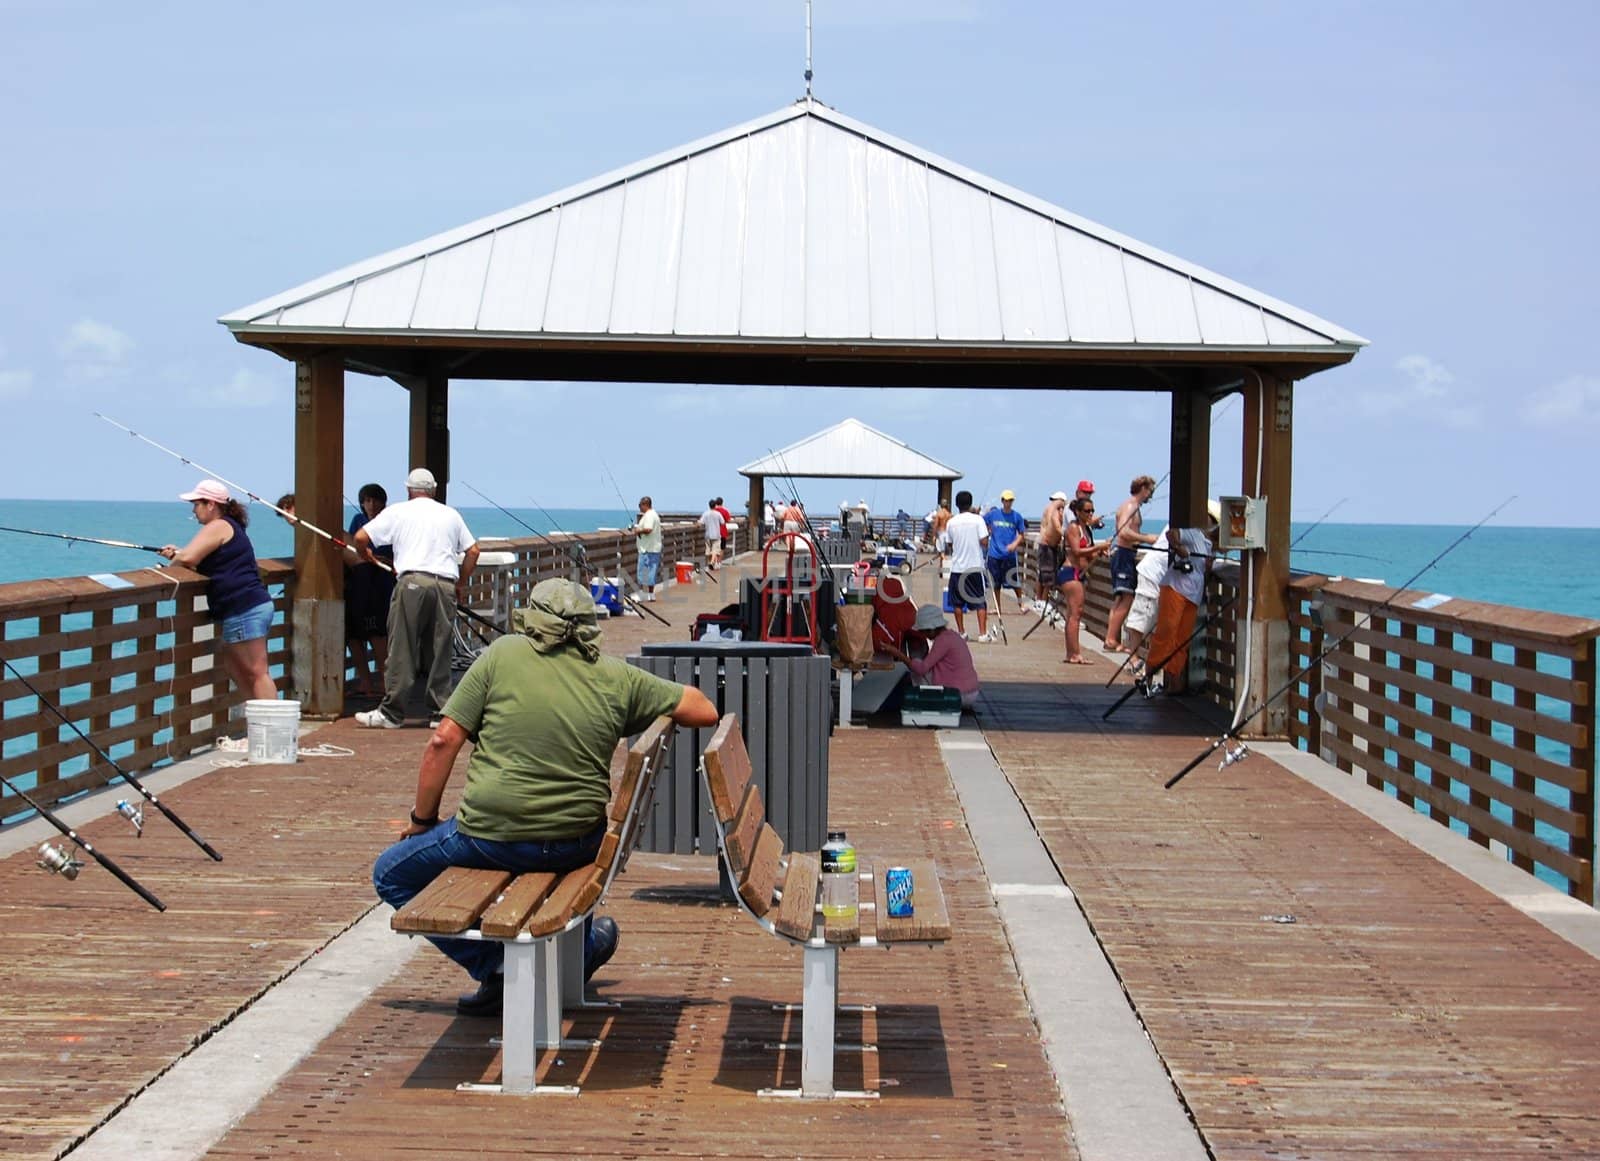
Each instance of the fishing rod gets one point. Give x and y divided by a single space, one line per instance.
617 488
292 518
576 555
131 813
1239 752
60 862
84 539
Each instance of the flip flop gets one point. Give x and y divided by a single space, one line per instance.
1080 661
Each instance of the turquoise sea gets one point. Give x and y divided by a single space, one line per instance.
1534 568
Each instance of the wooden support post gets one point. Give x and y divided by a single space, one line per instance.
317 668
758 500
430 427
1268 443
1191 458
1586 847
946 494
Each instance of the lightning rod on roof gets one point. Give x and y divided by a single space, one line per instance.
808 50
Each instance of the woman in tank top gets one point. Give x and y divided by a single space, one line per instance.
1079 552
236 598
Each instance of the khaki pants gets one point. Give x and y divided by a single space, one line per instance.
421 622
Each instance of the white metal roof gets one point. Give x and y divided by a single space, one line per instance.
850 450
801 225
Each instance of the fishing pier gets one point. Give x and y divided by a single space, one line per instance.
1374 934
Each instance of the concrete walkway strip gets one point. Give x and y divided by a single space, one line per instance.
190 1107
1119 1100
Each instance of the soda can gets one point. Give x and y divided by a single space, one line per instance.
899 887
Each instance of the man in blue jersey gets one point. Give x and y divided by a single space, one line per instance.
1007 530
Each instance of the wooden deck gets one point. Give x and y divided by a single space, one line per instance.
1404 1010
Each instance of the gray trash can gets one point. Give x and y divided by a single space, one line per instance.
782 695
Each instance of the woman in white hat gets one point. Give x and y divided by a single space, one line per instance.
949 660
236 598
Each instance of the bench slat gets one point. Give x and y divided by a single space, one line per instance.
573 894
797 911
727 766
452 902
507 914
931 921
849 930
758 880
745 829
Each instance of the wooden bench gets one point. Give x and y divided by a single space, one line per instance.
539 916
780 891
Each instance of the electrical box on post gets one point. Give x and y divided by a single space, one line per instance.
1244 522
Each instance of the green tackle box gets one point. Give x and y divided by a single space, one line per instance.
931 705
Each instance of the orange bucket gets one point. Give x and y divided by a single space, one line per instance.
685 572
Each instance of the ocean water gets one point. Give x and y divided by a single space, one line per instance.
1533 568
155 523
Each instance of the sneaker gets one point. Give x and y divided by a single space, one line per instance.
488 1000
964 636
987 638
603 931
376 719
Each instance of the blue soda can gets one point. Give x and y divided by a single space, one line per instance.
899 887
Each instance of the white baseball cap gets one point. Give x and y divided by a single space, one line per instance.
420 479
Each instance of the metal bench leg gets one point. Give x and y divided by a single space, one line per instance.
572 982
530 1019
820 1005
847 685
821 998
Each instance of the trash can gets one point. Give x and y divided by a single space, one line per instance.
784 700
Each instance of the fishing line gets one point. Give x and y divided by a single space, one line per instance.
109 761
1238 753
577 557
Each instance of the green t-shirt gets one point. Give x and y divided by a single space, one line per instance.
544 727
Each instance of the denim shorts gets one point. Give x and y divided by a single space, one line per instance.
649 568
1124 570
248 625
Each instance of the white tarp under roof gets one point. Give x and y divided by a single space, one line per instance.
850 450
802 225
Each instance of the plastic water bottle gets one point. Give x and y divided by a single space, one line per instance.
841 891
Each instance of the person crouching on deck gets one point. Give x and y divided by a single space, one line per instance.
545 711
1183 591
949 660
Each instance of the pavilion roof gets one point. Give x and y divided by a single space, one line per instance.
850 450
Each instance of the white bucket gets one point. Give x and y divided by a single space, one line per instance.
273 729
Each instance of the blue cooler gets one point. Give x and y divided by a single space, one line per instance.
605 592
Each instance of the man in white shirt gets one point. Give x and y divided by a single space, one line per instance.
968 538
714 524
427 537
647 528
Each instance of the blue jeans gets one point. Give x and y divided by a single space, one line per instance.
248 625
403 870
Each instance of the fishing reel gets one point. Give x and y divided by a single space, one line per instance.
1237 752
1146 687
58 861
134 813
1183 564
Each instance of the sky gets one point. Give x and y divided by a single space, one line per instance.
1416 172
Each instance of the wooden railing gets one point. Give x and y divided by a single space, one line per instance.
1480 716
132 666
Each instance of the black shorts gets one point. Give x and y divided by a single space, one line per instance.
968 590
1124 570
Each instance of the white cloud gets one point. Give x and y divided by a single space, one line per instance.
1426 390
95 350
15 384
246 388
1574 400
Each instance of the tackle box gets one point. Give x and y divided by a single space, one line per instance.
931 705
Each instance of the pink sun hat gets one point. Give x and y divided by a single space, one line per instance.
212 490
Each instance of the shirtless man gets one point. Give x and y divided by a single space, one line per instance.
1127 541
1049 548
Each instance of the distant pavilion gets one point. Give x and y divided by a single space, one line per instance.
847 450
800 249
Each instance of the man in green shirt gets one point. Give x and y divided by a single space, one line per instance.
545 710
